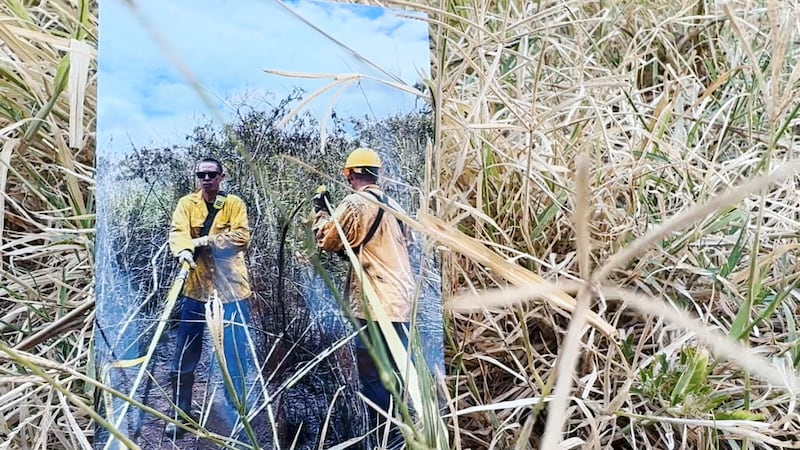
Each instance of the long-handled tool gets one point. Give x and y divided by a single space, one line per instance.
142 362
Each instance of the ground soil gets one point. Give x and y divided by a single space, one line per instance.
208 405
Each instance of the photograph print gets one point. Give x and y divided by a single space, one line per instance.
260 282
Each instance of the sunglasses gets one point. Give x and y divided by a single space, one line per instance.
209 175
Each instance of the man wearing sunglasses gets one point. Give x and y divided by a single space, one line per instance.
210 232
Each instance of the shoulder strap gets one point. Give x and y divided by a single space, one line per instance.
212 213
374 227
382 198
371 232
219 202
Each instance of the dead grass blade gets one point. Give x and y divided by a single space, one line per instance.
568 356
471 248
679 221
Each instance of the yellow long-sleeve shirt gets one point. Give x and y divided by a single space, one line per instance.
221 265
384 257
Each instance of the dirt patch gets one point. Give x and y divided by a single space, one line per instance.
209 404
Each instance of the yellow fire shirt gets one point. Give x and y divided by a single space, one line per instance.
384 258
221 265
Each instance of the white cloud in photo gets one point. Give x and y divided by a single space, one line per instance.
226 45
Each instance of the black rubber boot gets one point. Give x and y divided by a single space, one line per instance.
182 397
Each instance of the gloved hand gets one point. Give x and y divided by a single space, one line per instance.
202 241
185 256
321 199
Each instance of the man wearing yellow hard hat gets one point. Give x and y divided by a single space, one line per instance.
380 243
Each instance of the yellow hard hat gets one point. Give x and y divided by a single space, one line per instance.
361 157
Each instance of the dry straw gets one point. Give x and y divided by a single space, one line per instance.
686 113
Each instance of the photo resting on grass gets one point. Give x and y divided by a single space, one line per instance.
257 286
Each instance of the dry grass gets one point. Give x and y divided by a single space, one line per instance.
48 102
672 106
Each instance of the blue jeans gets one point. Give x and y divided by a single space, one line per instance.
371 385
189 345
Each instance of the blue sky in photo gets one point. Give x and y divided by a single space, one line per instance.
226 45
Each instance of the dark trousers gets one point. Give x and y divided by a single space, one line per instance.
189 345
371 385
